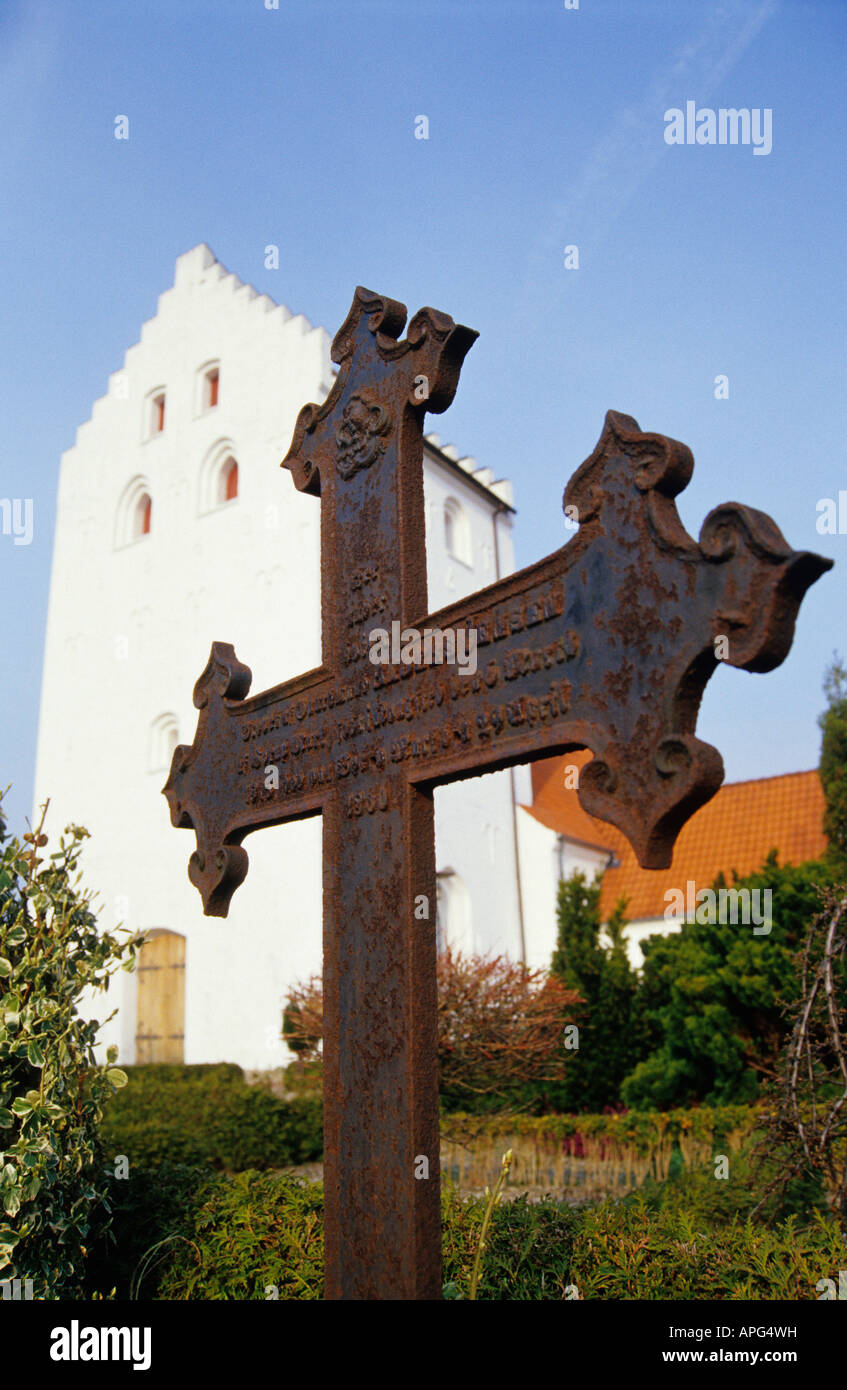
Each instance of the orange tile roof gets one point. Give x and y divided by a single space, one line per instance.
734 831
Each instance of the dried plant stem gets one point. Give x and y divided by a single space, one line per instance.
493 1199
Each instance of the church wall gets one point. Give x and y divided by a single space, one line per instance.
473 819
545 859
636 932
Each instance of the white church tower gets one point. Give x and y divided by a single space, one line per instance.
176 527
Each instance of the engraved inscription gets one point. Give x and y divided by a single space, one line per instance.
367 605
369 601
521 660
354 739
366 803
525 709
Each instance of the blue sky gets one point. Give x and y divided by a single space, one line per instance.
295 126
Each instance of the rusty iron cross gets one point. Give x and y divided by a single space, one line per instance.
606 645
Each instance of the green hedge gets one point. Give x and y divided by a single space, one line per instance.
640 1129
189 1233
208 1115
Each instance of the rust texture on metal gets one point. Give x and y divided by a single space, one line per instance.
607 644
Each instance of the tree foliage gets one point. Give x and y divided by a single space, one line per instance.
711 996
51 1090
612 1037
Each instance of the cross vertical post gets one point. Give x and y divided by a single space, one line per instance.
362 453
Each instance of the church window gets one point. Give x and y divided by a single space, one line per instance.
220 480
207 387
457 533
164 737
135 512
154 412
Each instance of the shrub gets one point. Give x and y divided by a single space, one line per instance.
302 1018
255 1235
209 1116
717 1202
806 1123
628 1251
51 1091
154 1075
151 1210
188 1232
711 995
528 1251
499 1029
183 1233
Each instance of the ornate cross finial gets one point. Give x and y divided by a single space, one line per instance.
382 381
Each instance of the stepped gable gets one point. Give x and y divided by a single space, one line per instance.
196 269
199 269
498 487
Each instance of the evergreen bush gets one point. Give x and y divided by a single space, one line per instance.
52 1092
209 1115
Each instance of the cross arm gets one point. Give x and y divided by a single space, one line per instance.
218 787
609 642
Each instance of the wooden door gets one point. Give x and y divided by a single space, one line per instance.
160 1031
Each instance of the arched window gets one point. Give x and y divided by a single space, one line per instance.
135 512
207 387
457 532
219 476
164 737
154 413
